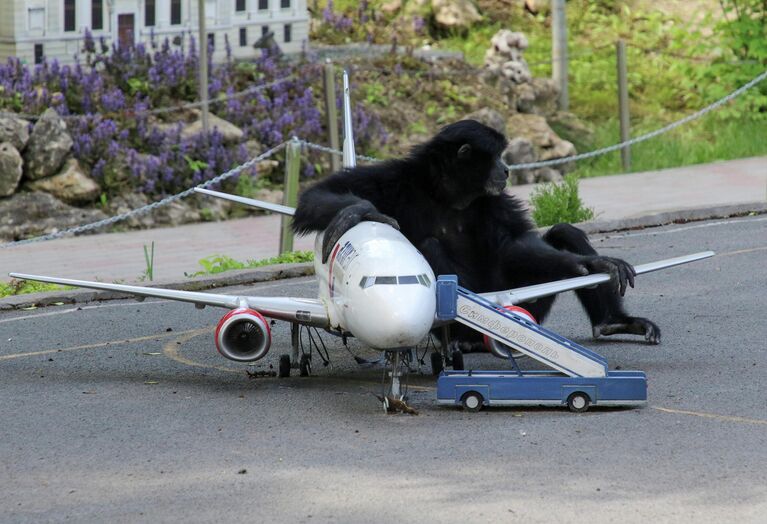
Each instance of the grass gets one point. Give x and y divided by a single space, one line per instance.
699 142
24 287
215 264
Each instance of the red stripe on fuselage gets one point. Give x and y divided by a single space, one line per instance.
330 266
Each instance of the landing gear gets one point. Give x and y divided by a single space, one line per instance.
305 366
284 367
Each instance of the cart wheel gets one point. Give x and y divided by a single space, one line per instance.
472 401
437 364
578 402
457 358
305 366
284 368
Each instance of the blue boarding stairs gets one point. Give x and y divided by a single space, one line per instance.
579 377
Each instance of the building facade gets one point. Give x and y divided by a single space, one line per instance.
54 29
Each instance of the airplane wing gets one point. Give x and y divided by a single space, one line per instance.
532 293
302 310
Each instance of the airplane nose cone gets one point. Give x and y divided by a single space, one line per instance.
396 316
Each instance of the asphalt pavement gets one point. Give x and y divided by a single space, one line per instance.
123 412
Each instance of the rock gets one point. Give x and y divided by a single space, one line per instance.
546 174
48 145
545 141
231 133
505 56
537 7
503 85
489 117
176 213
14 130
71 185
391 7
540 96
572 128
11 169
124 203
26 215
455 14
520 151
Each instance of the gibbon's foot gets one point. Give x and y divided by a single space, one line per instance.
631 326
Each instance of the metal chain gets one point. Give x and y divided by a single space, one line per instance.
149 207
336 152
161 110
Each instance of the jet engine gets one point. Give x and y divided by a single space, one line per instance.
243 335
501 350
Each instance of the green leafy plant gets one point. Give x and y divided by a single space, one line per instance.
559 202
215 264
149 259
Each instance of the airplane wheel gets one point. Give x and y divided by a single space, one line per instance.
437 364
457 359
578 402
305 367
472 401
284 368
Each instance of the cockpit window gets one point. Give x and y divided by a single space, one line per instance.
367 281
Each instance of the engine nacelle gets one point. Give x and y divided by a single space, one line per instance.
501 350
243 335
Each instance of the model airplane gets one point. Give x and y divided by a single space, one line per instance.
376 286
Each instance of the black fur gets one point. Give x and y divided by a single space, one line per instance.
447 198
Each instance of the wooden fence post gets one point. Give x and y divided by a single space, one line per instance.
559 51
331 112
623 102
290 197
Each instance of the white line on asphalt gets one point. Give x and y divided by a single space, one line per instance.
684 228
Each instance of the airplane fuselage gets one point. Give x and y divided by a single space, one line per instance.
377 286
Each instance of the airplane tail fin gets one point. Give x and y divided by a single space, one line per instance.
252 202
350 157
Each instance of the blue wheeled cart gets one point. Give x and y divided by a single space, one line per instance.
579 378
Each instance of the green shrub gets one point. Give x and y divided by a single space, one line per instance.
23 287
559 202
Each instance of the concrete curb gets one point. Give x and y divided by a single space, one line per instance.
230 278
282 271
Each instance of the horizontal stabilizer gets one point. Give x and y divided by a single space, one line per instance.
530 293
252 202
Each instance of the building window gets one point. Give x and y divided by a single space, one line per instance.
212 41
243 37
175 12
287 33
69 15
38 53
149 13
37 19
285 4
97 14
239 5
263 5
264 30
